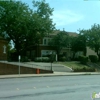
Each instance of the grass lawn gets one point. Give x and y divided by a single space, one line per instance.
72 64
77 66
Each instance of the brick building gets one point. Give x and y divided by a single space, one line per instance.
3 49
43 48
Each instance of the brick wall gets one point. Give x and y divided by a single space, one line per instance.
7 69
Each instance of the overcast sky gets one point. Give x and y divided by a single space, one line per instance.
73 14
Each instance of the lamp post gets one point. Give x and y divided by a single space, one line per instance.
51 58
19 57
69 52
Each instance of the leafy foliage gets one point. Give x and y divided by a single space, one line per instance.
42 59
24 26
83 59
93 58
60 41
78 44
93 37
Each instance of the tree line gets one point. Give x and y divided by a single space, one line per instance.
86 38
25 27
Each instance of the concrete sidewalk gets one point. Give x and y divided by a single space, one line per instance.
41 65
49 75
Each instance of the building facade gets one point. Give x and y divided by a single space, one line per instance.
43 48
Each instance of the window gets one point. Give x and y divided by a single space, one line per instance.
45 42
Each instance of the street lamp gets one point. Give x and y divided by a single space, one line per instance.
51 59
19 57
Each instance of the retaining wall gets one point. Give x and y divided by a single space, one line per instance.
7 69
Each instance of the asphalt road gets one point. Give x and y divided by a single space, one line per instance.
50 88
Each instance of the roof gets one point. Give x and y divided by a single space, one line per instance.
55 32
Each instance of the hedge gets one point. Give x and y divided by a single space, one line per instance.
42 59
62 59
93 58
83 59
84 69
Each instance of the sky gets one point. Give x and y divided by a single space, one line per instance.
72 15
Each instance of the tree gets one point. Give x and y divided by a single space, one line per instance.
93 38
13 21
42 22
78 44
24 26
60 41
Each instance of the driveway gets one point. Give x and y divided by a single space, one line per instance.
49 66
46 66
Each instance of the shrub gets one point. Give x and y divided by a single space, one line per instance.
46 55
83 59
42 59
93 58
24 59
62 59
45 59
84 69
38 59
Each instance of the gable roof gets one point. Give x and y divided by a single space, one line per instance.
55 32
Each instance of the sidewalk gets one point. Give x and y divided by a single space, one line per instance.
49 75
42 65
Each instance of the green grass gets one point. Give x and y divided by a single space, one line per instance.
77 66
72 64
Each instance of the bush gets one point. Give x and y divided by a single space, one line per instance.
42 59
60 55
46 55
83 59
84 69
62 59
93 58
24 59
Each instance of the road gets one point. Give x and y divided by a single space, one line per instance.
50 88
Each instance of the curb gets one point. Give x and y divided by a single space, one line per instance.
46 75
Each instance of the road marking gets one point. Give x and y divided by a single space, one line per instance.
17 88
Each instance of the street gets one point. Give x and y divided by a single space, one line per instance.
50 88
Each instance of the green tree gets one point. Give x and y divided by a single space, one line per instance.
41 22
60 41
93 38
23 25
14 18
78 44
